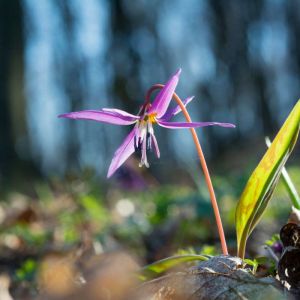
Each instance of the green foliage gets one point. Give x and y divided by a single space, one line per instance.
94 208
29 236
264 262
206 250
263 180
166 264
209 250
187 251
253 263
27 271
275 238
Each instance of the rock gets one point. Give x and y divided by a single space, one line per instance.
221 277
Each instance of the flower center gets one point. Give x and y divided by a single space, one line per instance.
150 118
145 136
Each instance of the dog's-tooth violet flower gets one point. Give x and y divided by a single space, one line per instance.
142 135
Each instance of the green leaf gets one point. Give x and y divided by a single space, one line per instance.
275 238
291 189
253 263
163 265
262 182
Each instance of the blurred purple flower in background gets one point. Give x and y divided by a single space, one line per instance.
142 135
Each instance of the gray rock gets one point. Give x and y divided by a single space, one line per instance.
221 277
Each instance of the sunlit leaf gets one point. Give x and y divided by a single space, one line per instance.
164 265
263 180
253 263
291 189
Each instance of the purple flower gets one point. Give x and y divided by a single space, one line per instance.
142 135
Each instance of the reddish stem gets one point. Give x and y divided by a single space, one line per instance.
203 165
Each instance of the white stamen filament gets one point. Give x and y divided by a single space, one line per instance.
144 160
150 128
150 134
145 139
155 144
142 141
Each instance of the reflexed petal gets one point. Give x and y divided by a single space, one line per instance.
102 116
120 112
122 153
162 100
179 125
176 110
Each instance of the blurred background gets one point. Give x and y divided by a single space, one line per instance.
241 61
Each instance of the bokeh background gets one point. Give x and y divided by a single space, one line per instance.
241 61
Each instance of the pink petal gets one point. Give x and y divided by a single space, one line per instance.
120 112
164 97
179 125
115 118
176 110
122 153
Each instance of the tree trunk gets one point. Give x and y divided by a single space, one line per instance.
13 133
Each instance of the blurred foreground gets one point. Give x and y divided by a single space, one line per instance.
80 236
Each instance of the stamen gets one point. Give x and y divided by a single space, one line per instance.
144 160
136 145
155 144
148 138
150 128
149 134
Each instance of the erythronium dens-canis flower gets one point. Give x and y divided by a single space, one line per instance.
142 135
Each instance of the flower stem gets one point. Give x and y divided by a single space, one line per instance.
203 165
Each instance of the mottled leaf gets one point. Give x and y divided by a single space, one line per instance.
263 180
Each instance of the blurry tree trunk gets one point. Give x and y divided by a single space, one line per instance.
230 15
293 19
123 27
72 71
12 104
263 106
